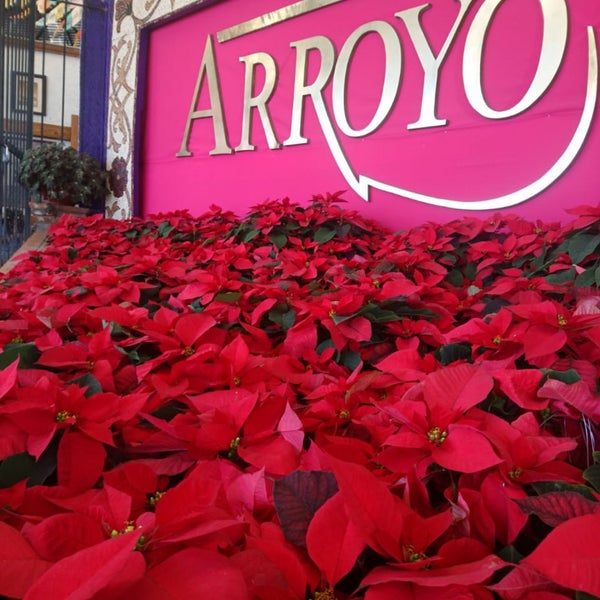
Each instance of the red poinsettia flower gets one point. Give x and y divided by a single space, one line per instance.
550 327
496 337
300 402
436 420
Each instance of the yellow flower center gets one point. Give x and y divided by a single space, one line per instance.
128 528
515 473
188 351
325 595
437 436
411 555
64 416
156 497
561 320
233 446
497 340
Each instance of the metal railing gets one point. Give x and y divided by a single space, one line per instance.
17 28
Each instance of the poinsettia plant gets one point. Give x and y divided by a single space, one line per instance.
299 404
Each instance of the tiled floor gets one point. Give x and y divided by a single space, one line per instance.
36 241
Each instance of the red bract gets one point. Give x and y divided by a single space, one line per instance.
576 395
192 572
206 521
385 522
20 565
529 454
333 541
436 420
551 326
299 404
104 570
109 285
493 338
569 554
522 387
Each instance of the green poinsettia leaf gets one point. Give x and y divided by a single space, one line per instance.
337 319
169 410
452 352
278 238
564 276
90 382
494 306
323 235
15 468
582 245
394 309
165 228
325 345
455 278
228 297
250 235
592 476
510 554
539 261
377 314
585 596
76 291
343 230
470 271
587 278
545 487
570 376
349 359
27 354
281 315
45 466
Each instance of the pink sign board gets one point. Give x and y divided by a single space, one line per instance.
421 112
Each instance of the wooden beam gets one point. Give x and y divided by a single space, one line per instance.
51 132
49 47
57 48
75 131
48 131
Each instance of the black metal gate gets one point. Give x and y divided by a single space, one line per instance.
17 36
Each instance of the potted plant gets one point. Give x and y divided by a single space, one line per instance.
61 180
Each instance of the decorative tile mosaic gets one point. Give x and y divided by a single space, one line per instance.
130 18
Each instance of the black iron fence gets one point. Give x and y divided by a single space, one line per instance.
32 32
17 35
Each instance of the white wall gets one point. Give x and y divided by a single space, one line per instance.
52 67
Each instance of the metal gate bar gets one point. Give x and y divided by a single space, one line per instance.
17 25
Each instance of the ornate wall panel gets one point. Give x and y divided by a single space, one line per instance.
130 17
417 111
